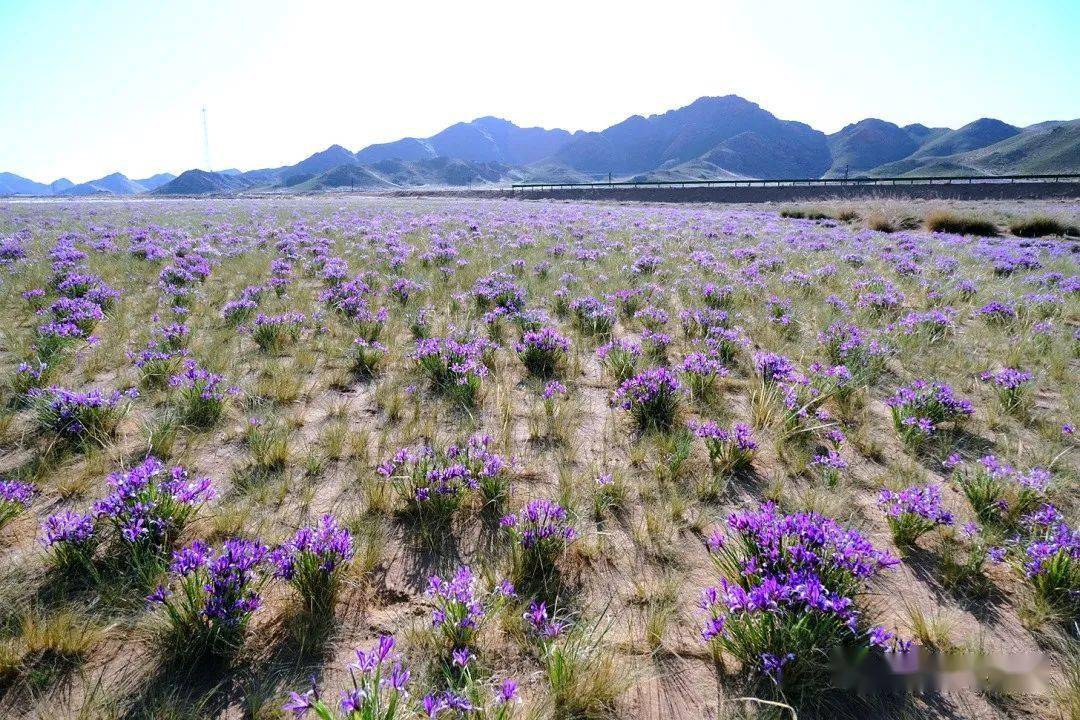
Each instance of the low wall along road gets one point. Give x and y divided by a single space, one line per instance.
1039 187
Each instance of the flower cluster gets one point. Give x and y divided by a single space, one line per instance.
275 332
379 689
829 462
217 592
997 312
543 352
701 371
704 322
542 624
730 450
80 416
200 394
15 497
461 607
541 530
454 367
651 397
1012 386
434 482
593 316
149 505
930 326
997 491
157 364
499 290
913 512
312 561
774 367
237 311
919 409
789 590
1047 552
620 358
71 537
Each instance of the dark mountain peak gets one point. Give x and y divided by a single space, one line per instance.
722 101
201 182
404 149
492 122
321 161
712 136
989 124
155 181
866 123
973 136
866 144
639 144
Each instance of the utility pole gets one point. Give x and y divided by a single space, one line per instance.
206 141
846 167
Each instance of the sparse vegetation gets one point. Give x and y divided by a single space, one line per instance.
496 450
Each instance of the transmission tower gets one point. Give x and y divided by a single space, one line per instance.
206 141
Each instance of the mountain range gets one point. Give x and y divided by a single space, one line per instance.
712 137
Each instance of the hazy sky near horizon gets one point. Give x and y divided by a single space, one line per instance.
90 88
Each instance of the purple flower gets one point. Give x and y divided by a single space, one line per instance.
149 504
507 691
15 497
541 623
298 704
68 528
461 657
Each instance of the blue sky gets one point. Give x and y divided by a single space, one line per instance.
89 88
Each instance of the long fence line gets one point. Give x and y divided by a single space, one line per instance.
801 182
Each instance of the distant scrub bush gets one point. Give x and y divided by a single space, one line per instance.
1038 226
880 221
815 213
945 221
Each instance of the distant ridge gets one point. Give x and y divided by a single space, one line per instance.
201 182
156 181
712 137
115 184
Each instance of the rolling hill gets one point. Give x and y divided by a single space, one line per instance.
1041 149
12 184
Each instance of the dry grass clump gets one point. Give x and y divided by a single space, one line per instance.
1040 226
845 215
950 222
880 222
